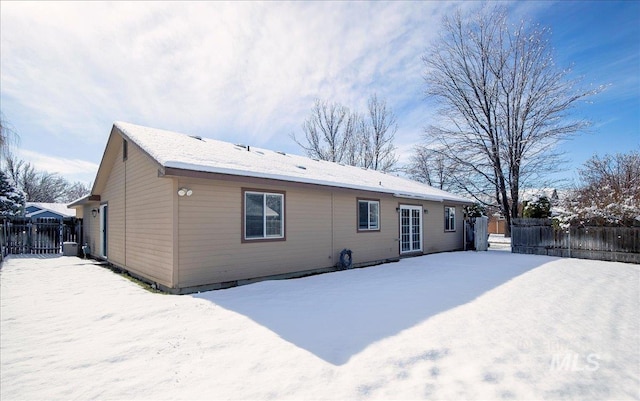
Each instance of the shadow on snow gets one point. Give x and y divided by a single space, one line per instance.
337 315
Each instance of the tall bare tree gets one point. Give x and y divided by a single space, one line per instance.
8 137
379 131
332 132
327 131
37 186
432 168
504 104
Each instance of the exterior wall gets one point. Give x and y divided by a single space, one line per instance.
367 246
436 238
210 229
148 219
90 226
113 196
497 225
319 223
139 217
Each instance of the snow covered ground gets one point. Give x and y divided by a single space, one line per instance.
498 242
491 325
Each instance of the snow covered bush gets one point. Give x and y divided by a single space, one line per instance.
11 200
609 195
538 209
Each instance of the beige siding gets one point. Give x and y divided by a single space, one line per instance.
113 196
319 224
149 219
90 227
436 239
140 215
210 244
367 246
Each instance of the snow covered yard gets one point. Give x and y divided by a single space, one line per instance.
491 325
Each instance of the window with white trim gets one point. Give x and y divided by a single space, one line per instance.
449 218
368 215
263 215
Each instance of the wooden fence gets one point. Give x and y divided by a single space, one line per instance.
539 237
20 235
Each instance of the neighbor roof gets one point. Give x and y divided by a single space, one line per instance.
58 208
180 151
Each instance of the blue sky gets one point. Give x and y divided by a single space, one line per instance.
249 72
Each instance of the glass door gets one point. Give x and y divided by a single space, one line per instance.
410 229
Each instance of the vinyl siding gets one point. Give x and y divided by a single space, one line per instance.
90 227
367 246
210 229
149 219
140 215
113 196
319 224
436 238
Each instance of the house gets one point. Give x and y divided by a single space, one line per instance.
57 211
189 213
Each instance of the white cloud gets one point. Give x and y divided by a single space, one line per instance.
71 169
237 71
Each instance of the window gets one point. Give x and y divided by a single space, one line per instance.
449 218
263 215
125 150
368 215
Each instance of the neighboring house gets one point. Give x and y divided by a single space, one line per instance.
497 223
38 210
190 213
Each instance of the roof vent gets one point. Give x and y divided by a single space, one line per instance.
281 153
241 145
196 137
301 167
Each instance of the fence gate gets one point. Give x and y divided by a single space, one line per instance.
21 235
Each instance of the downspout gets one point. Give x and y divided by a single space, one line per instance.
125 213
332 231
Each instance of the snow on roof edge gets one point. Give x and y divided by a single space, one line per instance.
177 150
245 173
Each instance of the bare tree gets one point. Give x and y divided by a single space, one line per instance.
432 168
37 186
504 105
8 137
327 131
335 134
379 132
75 191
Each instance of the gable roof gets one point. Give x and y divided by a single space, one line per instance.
57 208
173 150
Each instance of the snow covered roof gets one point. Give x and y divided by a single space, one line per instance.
180 151
59 208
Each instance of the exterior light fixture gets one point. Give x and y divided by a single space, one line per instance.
94 212
185 191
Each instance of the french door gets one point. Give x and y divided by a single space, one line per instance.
410 229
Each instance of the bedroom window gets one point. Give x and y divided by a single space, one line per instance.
449 218
368 215
263 215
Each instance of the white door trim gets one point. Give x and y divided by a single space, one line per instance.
408 231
